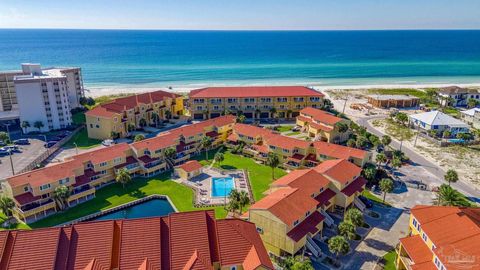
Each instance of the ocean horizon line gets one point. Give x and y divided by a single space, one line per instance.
252 30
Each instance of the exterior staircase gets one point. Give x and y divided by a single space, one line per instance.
313 247
359 204
328 219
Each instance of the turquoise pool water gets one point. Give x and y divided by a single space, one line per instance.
150 208
221 186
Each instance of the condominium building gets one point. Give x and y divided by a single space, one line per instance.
180 241
8 97
441 237
472 117
8 93
43 98
296 207
293 153
120 116
323 126
253 102
32 192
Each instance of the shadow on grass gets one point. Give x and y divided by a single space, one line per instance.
228 167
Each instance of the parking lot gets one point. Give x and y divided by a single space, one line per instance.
21 158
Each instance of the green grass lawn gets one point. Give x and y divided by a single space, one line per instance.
181 196
114 195
17 226
389 259
293 133
78 118
82 140
452 111
284 128
366 193
399 91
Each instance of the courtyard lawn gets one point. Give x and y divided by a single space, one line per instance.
18 226
114 195
389 260
82 140
293 133
284 128
367 194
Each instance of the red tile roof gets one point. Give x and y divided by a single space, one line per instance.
416 249
288 142
150 243
125 103
453 230
338 151
191 166
252 131
255 91
315 125
103 154
320 116
339 170
45 175
309 225
356 186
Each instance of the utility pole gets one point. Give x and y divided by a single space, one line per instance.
345 104
8 131
76 148
11 161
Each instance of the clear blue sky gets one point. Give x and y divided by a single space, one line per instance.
241 14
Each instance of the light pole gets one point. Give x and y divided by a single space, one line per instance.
11 161
8 131
76 148
345 104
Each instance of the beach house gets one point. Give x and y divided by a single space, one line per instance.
438 122
457 96
179 241
254 102
472 117
323 126
296 206
33 191
123 115
441 237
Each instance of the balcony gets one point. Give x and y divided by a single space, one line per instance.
130 165
81 192
35 208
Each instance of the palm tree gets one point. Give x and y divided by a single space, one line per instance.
297 263
25 125
341 127
170 154
61 195
386 186
471 103
7 205
168 114
447 134
241 118
142 122
272 161
381 158
338 245
354 216
39 125
386 140
155 118
123 177
243 200
139 137
347 230
369 172
257 113
451 176
289 113
206 142
130 127
219 157
447 196
234 200
402 118
273 112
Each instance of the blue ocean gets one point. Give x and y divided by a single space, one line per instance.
126 58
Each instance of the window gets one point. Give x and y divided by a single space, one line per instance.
321 189
424 237
298 99
314 99
117 160
233 268
248 100
26 189
295 223
282 99
64 181
308 213
46 186
103 164
115 119
259 230
199 108
231 100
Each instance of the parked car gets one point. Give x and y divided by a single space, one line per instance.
21 142
296 128
12 148
4 152
108 142
368 203
2 143
50 144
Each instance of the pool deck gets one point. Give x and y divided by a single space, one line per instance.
202 185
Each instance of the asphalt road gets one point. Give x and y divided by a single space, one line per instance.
418 159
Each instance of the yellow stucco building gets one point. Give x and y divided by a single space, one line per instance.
122 115
252 102
323 126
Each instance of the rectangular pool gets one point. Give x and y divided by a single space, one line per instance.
221 186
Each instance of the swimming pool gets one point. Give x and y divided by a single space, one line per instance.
150 208
221 186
